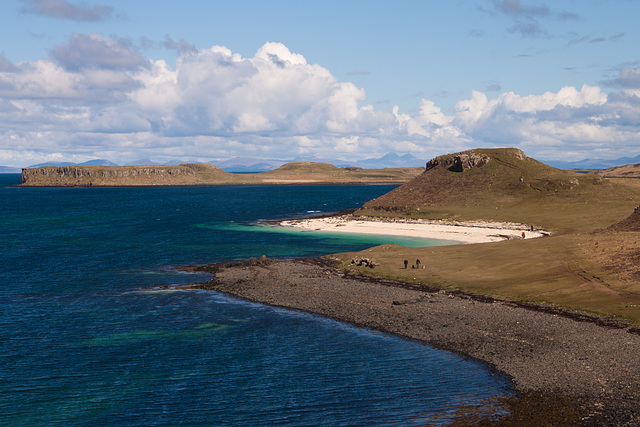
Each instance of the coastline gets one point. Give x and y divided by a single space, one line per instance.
576 371
462 232
221 184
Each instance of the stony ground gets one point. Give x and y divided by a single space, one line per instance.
567 371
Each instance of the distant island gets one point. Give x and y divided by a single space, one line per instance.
206 174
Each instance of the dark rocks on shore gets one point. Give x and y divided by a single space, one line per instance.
366 262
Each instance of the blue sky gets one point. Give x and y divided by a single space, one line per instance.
211 80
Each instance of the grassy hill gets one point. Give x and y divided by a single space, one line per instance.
205 174
509 186
589 263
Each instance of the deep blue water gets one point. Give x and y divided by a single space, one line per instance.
85 339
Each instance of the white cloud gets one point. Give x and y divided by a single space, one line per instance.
39 79
565 97
428 122
279 54
570 119
217 92
218 104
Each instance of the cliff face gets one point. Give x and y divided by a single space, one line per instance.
106 176
462 161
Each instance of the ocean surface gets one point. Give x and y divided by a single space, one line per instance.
88 339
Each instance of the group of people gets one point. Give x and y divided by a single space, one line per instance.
418 264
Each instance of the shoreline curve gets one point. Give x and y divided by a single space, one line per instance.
564 366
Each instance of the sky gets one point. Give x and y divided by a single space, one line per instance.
207 80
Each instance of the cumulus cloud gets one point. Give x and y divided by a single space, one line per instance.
107 100
38 80
218 92
62 9
553 116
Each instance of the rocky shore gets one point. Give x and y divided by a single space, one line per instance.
568 368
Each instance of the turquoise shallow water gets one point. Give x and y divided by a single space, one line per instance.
87 340
335 238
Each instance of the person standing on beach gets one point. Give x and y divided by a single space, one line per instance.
417 263
406 263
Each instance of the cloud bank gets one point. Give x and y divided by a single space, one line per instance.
100 97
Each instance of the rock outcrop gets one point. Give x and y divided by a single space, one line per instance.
459 162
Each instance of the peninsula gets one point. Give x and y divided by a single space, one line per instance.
559 314
205 174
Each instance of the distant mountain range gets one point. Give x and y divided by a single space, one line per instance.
390 160
94 162
594 163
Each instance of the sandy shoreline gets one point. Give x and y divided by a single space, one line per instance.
464 232
573 372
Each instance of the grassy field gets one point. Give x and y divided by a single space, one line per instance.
580 272
582 265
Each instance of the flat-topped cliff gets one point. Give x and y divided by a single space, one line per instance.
205 174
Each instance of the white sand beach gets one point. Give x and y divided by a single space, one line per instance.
463 232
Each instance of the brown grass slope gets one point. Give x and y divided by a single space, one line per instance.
205 174
630 223
509 187
591 262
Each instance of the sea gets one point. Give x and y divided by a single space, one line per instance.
90 336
